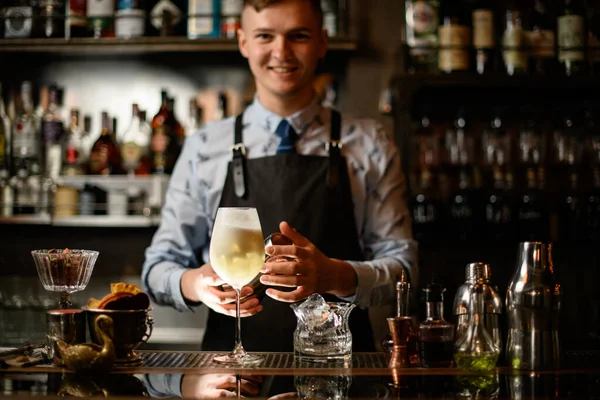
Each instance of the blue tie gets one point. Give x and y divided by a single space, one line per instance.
288 138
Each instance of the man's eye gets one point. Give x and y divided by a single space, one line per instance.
263 36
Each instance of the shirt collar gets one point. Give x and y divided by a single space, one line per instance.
268 120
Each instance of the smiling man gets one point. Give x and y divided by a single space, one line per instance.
332 186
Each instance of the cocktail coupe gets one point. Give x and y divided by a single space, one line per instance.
237 254
65 271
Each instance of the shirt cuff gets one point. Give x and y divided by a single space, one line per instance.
171 293
365 280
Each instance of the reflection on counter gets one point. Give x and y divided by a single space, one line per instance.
277 387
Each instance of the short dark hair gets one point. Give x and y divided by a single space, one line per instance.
260 5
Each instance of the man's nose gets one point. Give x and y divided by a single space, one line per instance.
282 49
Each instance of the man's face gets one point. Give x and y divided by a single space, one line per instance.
283 44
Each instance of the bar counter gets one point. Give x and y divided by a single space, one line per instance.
193 375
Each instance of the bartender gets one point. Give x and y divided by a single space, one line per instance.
331 185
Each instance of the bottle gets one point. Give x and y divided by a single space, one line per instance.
174 122
542 58
18 18
498 209
571 38
24 191
52 135
401 343
592 207
571 213
6 127
454 38
135 142
426 209
130 19
480 274
165 144
6 194
484 42
26 134
101 16
436 335
496 143
73 152
476 350
514 43
50 21
427 145
77 24
422 20
167 18
231 12
533 303
464 213
203 18
105 157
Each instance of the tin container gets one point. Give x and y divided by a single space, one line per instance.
67 325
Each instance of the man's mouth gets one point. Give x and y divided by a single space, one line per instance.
283 70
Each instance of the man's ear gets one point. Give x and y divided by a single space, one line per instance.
242 42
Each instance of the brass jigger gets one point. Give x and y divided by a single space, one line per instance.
403 336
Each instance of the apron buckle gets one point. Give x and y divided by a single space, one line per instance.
239 147
333 143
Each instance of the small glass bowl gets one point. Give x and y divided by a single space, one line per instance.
65 272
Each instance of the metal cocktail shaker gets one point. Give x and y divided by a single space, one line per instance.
492 303
533 303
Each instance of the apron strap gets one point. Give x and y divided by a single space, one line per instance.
333 148
239 159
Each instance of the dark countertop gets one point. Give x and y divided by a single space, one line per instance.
193 375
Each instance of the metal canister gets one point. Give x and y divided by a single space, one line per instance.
65 325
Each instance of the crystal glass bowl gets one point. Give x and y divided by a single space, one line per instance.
65 271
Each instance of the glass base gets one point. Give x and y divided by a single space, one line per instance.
239 359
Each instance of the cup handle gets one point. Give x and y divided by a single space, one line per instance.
150 324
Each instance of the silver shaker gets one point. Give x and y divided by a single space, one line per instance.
533 302
478 272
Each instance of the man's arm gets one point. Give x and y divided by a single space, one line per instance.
387 228
183 231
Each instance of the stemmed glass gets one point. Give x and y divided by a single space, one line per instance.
65 271
237 254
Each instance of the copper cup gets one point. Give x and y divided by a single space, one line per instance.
404 351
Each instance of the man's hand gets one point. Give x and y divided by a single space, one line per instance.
203 284
213 386
303 266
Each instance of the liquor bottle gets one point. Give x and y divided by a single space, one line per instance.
6 127
26 134
498 209
42 104
459 145
77 24
532 209
145 165
105 157
484 42
464 211
427 145
134 143
436 335
101 15
454 38
6 194
592 207
571 38
24 190
195 117
204 18
231 12
52 135
87 140
73 153
18 18
166 142
542 58
422 20
426 210
496 143
572 212
50 21
167 18
514 43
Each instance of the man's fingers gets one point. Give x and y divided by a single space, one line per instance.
293 234
289 297
285 268
284 280
217 295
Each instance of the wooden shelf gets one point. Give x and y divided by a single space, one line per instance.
93 46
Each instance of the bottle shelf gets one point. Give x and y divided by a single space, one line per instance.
91 46
108 221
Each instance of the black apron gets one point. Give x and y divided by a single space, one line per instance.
313 194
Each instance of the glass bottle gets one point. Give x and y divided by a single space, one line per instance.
5 126
26 134
571 38
498 209
484 41
73 152
52 134
436 335
105 157
133 142
165 144
51 22
571 213
542 40
145 165
426 209
77 24
464 211
454 37
495 142
101 16
167 18
592 207
476 350
514 43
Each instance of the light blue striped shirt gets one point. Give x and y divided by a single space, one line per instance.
378 194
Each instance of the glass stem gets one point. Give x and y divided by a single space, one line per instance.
238 349
65 300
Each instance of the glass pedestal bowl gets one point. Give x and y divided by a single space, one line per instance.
64 271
